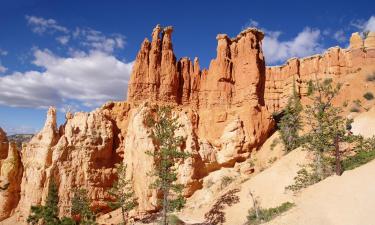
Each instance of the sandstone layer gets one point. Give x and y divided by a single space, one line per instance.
222 110
335 63
10 176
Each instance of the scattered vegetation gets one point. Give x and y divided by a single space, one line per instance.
272 160
81 208
252 162
345 104
209 183
225 181
264 215
166 154
305 177
364 153
216 215
122 194
326 129
48 214
174 220
274 143
368 96
290 123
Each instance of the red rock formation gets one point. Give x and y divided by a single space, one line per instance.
334 63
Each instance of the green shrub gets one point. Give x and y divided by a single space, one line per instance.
274 143
272 160
362 157
266 215
368 96
306 176
174 220
225 181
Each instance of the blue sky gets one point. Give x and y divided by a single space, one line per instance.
76 55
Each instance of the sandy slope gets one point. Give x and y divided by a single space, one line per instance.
364 123
345 200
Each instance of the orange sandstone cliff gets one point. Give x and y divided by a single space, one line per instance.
335 63
225 111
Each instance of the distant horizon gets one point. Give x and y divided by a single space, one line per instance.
77 55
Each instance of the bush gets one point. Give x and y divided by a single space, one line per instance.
368 96
306 176
362 157
266 215
174 220
225 181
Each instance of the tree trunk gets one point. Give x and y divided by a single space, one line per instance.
123 215
337 155
165 207
255 205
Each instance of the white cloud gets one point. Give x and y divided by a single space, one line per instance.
97 40
63 39
87 38
85 80
339 36
3 52
41 25
251 23
370 24
364 25
304 44
3 69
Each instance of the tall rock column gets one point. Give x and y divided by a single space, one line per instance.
10 181
36 158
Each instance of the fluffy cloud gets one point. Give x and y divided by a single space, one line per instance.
277 51
305 43
370 24
63 39
364 25
88 79
251 23
86 38
40 25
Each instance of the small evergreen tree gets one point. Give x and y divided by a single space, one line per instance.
49 213
290 123
81 207
122 193
166 154
326 128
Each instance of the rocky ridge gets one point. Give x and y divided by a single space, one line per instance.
335 63
223 110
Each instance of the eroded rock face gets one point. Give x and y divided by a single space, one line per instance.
10 177
334 63
3 144
36 159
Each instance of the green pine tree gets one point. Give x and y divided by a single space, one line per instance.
166 154
81 207
49 213
326 128
122 193
291 123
